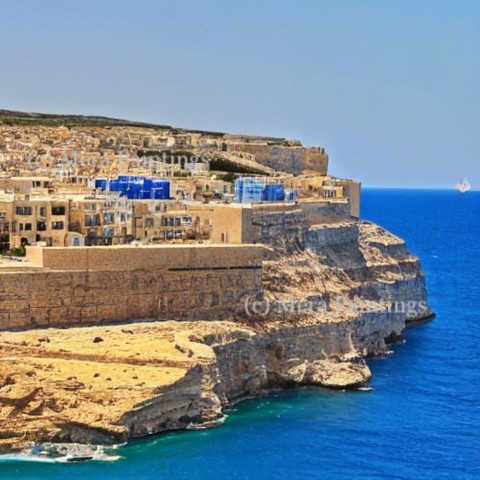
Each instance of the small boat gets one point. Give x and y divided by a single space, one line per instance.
76 458
463 187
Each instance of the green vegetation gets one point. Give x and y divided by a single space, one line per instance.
180 157
227 177
228 166
12 118
48 120
20 251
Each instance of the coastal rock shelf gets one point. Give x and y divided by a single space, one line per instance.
107 384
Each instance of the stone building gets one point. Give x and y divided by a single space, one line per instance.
107 220
163 221
29 220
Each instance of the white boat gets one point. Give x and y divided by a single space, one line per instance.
463 187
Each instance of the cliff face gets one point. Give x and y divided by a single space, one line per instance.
285 158
327 306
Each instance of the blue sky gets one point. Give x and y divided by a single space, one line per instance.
390 88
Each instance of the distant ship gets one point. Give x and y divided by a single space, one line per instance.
463 187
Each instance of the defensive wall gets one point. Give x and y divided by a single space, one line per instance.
66 286
269 222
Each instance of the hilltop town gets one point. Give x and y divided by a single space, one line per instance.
150 276
75 185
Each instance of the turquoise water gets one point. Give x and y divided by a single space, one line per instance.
421 421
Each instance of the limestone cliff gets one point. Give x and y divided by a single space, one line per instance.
108 384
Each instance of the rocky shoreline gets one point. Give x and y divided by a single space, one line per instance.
106 385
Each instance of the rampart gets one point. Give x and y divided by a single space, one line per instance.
104 285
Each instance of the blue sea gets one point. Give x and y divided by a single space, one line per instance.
420 421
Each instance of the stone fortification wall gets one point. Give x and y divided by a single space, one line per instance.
102 285
291 222
321 236
318 212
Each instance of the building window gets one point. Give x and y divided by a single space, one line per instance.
41 226
92 220
149 222
23 210
28 227
108 218
58 210
57 225
43 211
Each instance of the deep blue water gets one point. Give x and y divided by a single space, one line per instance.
421 421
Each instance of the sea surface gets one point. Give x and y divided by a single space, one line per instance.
421 421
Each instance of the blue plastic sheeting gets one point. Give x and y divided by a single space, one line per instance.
136 188
253 189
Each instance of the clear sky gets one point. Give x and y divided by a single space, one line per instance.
389 87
